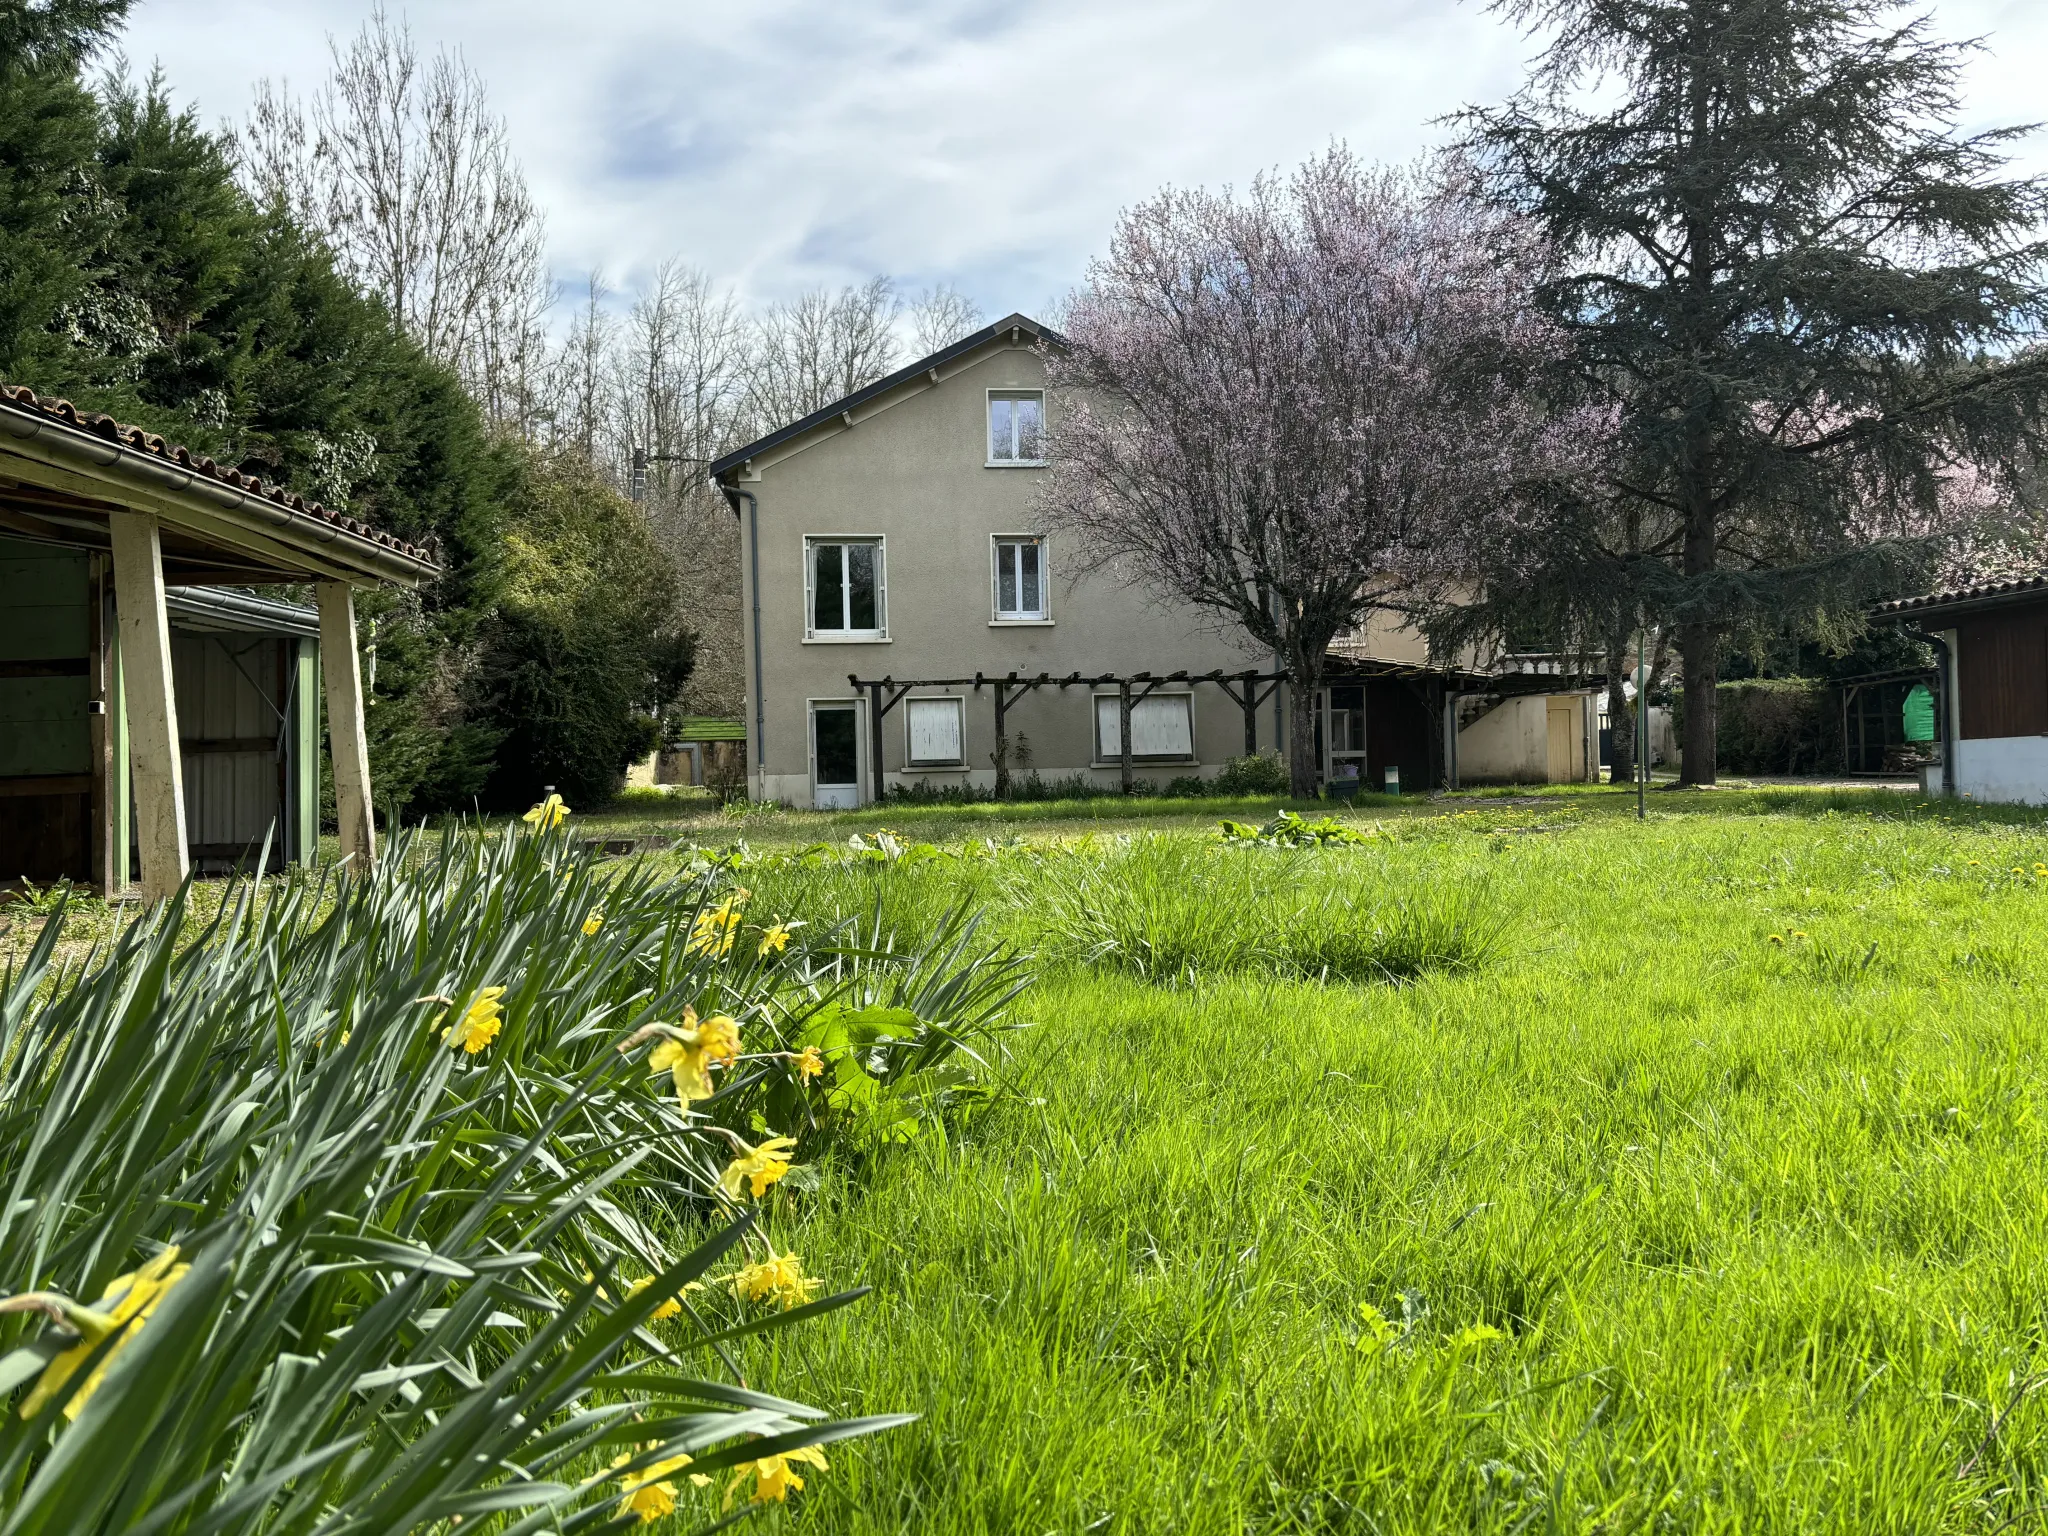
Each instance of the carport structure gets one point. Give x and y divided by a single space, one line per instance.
125 514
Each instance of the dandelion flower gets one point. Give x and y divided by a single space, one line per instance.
774 939
479 1024
1776 938
779 1280
1798 933
127 1301
592 923
810 1063
763 1165
773 1476
702 1046
550 813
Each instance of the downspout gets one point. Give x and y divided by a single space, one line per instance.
733 495
1948 704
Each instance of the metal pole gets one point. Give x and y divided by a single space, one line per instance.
1642 730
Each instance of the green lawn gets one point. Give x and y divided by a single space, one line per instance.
1648 1222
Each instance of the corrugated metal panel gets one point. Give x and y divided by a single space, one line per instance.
231 692
2002 673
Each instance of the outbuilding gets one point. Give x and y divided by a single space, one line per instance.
1992 641
154 712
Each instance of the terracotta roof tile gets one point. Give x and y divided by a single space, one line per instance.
1988 589
22 398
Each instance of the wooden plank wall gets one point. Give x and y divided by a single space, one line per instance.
2002 673
45 730
231 693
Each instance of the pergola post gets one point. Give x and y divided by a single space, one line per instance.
152 704
347 741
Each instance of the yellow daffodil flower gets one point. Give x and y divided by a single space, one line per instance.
763 1165
779 1280
550 813
673 1307
649 1493
479 1024
129 1299
714 930
810 1063
689 1060
773 1476
592 923
774 939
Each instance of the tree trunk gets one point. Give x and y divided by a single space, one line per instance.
1700 667
1303 769
1621 750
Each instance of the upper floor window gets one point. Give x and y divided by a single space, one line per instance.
848 589
1016 426
1020 578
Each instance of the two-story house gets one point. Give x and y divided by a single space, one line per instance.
911 617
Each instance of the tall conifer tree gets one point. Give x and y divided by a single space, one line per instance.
1815 306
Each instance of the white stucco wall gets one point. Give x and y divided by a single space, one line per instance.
2012 769
1510 744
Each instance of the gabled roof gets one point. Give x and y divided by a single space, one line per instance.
1993 594
818 418
110 453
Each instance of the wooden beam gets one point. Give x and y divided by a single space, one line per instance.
304 760
152 703
346 738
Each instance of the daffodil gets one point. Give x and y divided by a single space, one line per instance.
690 1050
774 939
763 1165
672 1307
592 923
780 1280
126 1304
810 1063
714 930
479 1024
649 1493
773 1476
550 813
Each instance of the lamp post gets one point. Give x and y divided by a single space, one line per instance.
1642 731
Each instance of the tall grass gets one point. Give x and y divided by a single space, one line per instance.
1173 909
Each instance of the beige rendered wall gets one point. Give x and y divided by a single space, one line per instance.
912 469
1510 744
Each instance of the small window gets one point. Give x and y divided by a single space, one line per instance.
1016 428
935 733
1020 578
847 587
1162 728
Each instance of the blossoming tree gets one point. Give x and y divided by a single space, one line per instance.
1283 407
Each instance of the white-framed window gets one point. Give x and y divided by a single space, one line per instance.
1162 728
1020 577
846 589
937 732
1016 426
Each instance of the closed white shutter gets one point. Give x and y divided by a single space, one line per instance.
935 730
1160 727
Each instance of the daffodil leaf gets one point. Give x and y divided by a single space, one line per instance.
18 1365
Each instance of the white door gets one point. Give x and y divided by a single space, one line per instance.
835 757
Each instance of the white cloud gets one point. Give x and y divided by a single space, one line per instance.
786 143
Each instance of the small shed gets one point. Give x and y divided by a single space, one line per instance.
1992 644
154 714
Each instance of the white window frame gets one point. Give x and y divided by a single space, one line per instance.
914 764
987 436
996 541
1138 758
816 636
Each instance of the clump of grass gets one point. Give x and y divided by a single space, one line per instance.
1175 909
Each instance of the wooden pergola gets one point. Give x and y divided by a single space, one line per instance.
148 513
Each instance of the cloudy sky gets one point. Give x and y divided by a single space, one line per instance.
782 144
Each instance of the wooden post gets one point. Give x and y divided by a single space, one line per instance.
1002 739
120 773
875 736
1123 732
303 784
1251 714
152 703
347 742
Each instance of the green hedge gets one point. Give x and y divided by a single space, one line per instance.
1780 725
